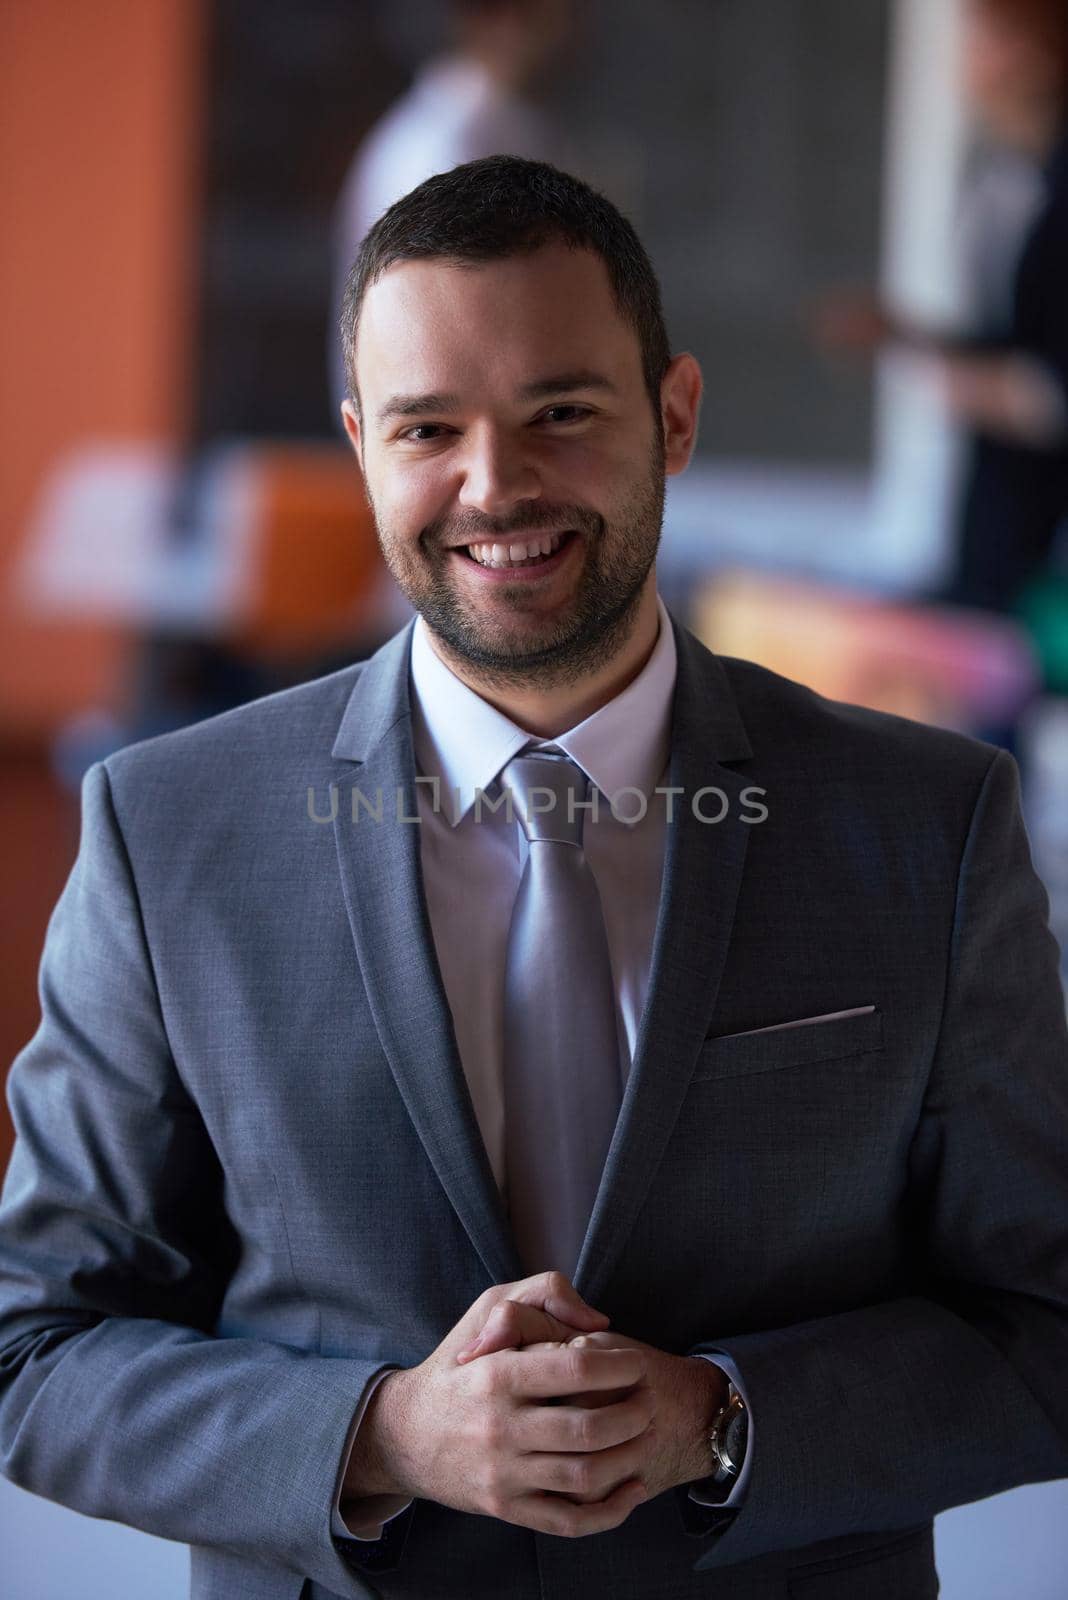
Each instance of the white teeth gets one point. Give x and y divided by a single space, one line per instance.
510 555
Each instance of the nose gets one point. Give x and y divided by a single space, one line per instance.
498 472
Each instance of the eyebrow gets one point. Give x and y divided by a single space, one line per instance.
566 383
414 405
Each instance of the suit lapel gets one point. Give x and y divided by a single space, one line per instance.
703 865
386 904
385 899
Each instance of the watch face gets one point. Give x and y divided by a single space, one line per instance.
729 1436
735 1437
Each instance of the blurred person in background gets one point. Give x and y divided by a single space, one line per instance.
1005 376
485 95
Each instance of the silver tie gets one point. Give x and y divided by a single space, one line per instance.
562 1087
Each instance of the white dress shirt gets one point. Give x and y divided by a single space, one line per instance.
473 857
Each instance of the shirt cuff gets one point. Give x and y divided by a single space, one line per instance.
704 1496
367 1516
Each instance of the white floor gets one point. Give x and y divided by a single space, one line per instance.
1013 1547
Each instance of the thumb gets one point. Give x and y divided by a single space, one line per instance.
555 1293
511 1325
557 1309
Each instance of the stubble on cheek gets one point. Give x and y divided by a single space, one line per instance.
510 631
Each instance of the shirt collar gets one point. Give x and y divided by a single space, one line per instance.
463 741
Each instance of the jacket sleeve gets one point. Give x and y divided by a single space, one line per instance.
116 1397
878 1418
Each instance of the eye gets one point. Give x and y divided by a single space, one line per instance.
579 412
433 428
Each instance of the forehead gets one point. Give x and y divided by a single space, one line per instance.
439 324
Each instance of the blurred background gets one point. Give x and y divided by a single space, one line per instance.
859 216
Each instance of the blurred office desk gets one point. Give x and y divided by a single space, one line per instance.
954 668
236 571
252 531
803 520
266 544
132 532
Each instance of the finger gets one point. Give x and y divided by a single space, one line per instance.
554 1513
495 1334
603 1341
550 1292
511 1325
586 1477
537 1375
594 1399
573 1429
554 1292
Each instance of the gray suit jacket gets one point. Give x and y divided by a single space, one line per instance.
248 1173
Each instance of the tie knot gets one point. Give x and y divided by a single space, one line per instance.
549 794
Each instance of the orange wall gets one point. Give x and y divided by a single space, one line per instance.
99 121
99 118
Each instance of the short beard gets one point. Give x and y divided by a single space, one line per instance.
618 560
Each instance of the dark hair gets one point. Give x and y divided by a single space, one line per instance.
507 206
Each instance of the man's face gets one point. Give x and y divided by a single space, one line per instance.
525 416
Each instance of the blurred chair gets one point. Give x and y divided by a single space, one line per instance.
314 559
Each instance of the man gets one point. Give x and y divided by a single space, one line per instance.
304 1262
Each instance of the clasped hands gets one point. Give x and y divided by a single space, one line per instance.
533 1411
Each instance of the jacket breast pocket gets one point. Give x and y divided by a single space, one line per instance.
740 1054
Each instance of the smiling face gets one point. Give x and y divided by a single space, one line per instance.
504 403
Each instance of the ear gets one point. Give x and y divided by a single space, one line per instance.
352 428
680 402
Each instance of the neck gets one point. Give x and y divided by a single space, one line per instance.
546 713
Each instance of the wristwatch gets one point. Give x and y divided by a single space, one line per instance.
728 1436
